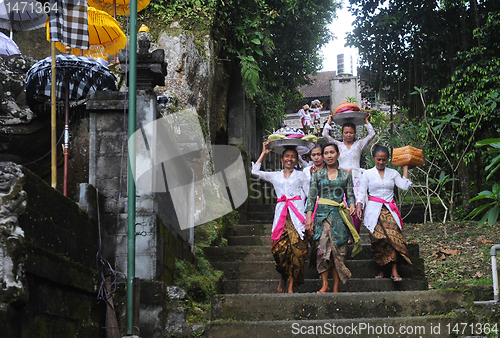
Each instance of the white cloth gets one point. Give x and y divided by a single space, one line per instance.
316 114
307 119
295 185
307 170
373 185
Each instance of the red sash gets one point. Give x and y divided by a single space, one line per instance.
280 225
392 205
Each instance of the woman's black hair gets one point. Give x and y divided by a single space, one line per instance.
317 146
329 144
290 148
351 125
379 148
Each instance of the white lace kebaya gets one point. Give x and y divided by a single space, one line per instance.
296 185
350 158
373 185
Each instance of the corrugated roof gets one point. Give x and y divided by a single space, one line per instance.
320 86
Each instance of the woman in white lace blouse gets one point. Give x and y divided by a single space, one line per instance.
289 244
382 217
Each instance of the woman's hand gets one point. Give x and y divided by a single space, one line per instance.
314 168
329 121
367 119
405 171
265 151
359 212
309 222
352 210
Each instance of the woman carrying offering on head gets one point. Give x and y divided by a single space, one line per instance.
350 152
382 217
332 225
289 246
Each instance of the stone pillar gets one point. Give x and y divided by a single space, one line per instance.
241 120
342 87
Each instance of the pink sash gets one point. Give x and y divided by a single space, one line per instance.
282 219
392 205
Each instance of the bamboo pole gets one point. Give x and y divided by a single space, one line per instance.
53 117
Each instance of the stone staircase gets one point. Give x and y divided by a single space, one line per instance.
250 306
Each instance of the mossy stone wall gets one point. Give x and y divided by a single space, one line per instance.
60 246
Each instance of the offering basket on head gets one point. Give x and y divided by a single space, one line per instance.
349 112
291 137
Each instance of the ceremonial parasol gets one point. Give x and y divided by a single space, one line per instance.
105 36
22 15
121 7
83 74
76 79
8 46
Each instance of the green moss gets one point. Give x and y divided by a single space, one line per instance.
197 20
199 279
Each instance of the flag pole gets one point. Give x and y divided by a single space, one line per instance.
132 86
53 116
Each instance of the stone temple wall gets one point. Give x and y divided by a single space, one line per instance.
48 248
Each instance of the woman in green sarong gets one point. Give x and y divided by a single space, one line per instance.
332 225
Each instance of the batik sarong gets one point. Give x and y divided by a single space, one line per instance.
289 253
388 243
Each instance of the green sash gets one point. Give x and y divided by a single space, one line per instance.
344 213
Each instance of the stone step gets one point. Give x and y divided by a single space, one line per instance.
314 306
263 229
266 269
262 286
248 253
260 208
257 217
266 240
402 327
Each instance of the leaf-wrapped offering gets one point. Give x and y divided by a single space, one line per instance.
408 155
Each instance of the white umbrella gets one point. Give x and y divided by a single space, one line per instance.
8 46
23 15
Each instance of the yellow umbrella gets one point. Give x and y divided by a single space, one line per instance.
105 36
122 6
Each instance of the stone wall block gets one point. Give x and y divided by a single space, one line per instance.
111 124
111 144
111 204
111 187
144 205
145 264
109 166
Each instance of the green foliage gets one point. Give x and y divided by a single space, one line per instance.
214 233
200 279
256 36
408 43
490 209
494 165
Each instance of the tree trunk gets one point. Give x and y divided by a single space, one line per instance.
463 177
476 19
